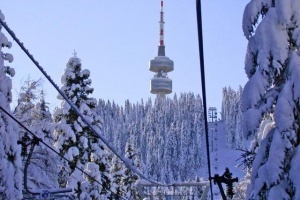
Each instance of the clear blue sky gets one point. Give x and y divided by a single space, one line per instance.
115 40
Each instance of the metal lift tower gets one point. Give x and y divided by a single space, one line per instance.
160 84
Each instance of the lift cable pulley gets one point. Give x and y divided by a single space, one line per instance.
228 180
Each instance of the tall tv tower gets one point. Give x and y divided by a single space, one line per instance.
160 84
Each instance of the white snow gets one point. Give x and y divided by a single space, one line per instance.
265 127
253 90
295 11
65 108
251 121
85 73
63 132
251 13
10 173
284 108
84 142
9 57
2 17
77 127
284 10
72 152
294 70
279 191
294 172
10 71
75 87
272 39
3 40
93 170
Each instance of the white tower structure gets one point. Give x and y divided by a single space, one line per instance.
160 84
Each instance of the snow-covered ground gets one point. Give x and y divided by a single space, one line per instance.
222 157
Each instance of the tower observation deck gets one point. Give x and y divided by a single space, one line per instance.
160 84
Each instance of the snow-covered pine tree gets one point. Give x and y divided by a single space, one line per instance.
240 189
10 159
170 156
273 68
42 171
75 140
239 136
151 148
27 97
224 107
41 112
230 120
147 133
160 134
186 161
199 131
129 178
117 172
232 116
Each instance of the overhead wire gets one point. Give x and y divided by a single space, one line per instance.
201 56
95 132
52 149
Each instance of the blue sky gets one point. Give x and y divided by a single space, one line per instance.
116 39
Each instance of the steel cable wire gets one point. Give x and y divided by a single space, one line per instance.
201 56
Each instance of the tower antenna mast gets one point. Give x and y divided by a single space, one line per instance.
161 23
160 84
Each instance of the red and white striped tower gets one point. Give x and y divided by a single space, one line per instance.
161 23
161 47
160 84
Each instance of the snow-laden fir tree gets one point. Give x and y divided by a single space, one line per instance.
43 167
41 112
186 157
171 154
75 140
160 133
35 115
239 136
232 117
27 97
273 67
10 159
117 172
151 148
129 179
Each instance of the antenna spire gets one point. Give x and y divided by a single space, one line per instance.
161 23
160 84
161 47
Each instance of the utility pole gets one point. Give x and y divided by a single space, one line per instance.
212 114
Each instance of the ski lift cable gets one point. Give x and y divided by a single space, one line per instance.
52 149
96 134
35 141
201 56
